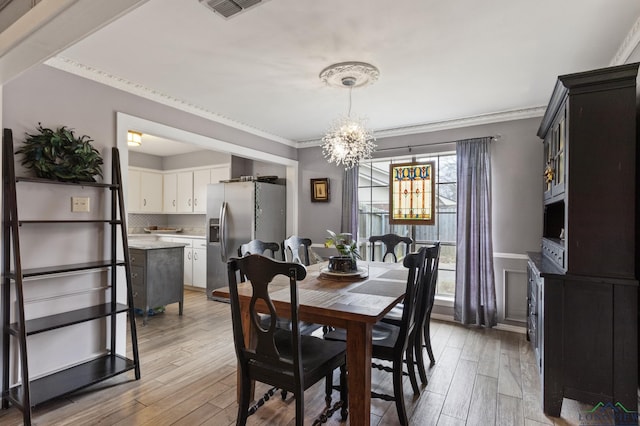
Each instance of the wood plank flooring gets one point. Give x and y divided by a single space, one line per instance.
481 377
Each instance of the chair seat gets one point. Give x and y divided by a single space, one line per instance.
317 356
383 335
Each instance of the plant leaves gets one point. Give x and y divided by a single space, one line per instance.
61 155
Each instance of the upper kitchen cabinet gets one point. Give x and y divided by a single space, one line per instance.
191 188
170 193
185 192
201 178
145 191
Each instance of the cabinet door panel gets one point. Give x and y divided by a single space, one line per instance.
188 266
201 178
170 190
220 173
185 192
200 268
151 191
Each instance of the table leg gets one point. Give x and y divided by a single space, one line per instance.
359 372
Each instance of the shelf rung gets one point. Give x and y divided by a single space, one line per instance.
59 269
72 379
52 322
111 222
57 182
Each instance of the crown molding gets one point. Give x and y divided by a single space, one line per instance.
94 74
628 45
497 117
65 64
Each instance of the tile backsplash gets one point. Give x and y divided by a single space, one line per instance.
192 224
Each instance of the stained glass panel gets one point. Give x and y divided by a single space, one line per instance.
411 193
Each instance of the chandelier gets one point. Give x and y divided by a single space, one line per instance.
348 141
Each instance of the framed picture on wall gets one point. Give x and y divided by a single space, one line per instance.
412 194
320 190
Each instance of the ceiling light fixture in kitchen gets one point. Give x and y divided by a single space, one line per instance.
134 138
348 141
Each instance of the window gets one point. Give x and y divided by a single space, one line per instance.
373 196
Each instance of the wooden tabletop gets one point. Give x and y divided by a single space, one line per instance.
355 304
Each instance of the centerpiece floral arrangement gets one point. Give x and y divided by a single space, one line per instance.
348 249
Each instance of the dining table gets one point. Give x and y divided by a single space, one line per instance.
352 301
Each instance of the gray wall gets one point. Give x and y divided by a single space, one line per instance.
54 97
516 190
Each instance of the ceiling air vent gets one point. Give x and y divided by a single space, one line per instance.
229 8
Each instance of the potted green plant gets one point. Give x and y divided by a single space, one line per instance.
60 155
348 249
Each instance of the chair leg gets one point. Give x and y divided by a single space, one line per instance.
328 388
299 396
243 404
344 393
411 369
419 357
398 394
427 340
284 394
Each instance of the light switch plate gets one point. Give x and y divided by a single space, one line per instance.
79 204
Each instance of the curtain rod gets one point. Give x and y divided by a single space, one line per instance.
493 138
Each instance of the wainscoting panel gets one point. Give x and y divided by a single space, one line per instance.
510 271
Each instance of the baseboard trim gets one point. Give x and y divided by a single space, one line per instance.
500 326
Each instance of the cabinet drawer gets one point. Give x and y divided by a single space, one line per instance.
137 257
138 286
554 252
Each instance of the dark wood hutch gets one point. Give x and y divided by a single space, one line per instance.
582 295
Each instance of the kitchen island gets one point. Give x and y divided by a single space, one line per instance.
157 270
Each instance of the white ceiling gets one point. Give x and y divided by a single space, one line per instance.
438 60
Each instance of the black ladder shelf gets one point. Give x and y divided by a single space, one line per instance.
28 392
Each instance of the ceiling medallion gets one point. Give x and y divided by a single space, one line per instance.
362 73
348 141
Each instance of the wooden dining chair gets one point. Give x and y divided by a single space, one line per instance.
394 342
422 335
281 358
259 247
390 242
294 245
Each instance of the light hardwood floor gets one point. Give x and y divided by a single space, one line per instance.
482 377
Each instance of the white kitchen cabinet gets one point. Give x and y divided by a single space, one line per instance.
188 266
177 192
170 192
185 192
133 188
145 191
219 173
201 178
195 260
199 276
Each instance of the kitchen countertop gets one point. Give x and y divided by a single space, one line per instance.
174 234
151 245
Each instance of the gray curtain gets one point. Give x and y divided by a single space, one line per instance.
475 299
349 221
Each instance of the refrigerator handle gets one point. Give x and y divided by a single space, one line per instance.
223 231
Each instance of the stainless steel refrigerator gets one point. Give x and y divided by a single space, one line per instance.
238 212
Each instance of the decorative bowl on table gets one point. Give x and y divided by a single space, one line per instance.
343 268
344 264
